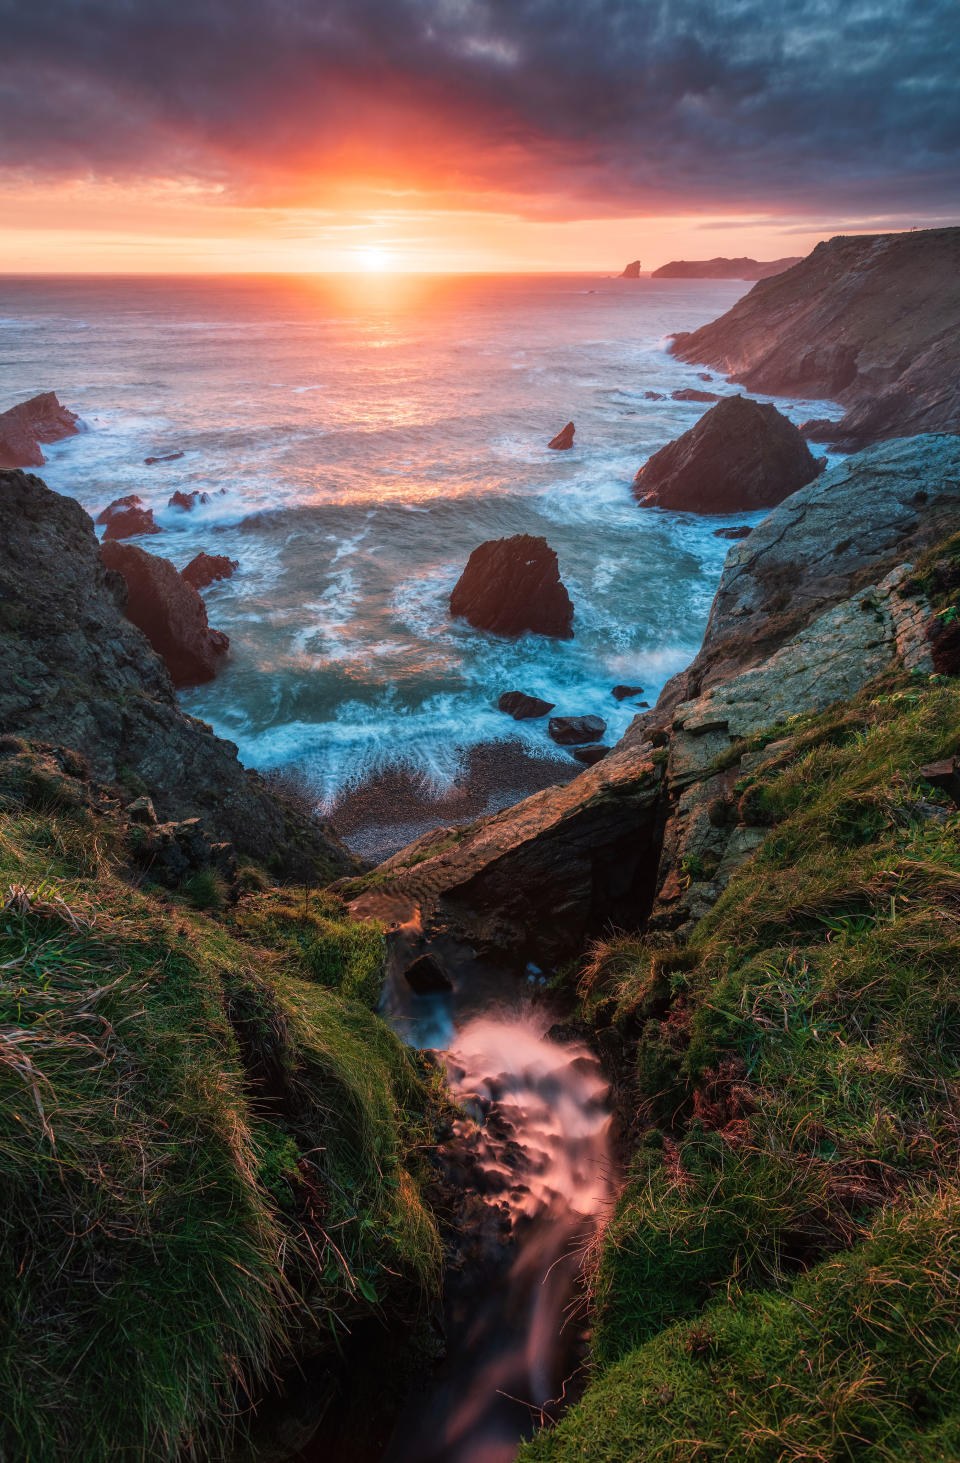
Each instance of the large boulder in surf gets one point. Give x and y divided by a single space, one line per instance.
170 612
523 707
206 569
575 731
26 425
127 517
512 586
563 441
740 456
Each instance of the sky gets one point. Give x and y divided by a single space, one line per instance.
299 135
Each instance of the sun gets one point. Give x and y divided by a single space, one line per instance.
374 259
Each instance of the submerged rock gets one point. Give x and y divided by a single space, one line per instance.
740 455
564 438
167 457
512 586
733 533
523 707
24 426
621 693
573 731
205 569
693 393
186 501
654 396
170 612
127 518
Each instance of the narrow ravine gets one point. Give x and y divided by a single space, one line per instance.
531 1158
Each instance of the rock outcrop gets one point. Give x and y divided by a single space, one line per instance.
523 707
632 270
871 321
741 456
187 501
75 673
563 441
693 393
127 517
724 268
170 612
512 586
206 569
26 425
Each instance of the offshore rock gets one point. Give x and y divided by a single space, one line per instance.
632 270
187 501
24 426
127 518
512 586
740 456
523 707
76 674
872 321
206 569
693 393
563 441
170 612
574 731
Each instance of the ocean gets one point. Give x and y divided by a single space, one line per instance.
367 433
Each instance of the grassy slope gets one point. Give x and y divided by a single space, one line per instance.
205 1150
780 1278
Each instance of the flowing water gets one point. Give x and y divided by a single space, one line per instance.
369 433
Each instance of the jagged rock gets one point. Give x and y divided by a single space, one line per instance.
127 518
523 707
167 457
632 270
511 586
425 976
564 438
170 612
692 393
186 501
590 756
205 569
872 321
732 533
24 426
740 455
76 674
621 693
573 731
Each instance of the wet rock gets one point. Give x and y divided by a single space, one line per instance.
24 426
590 756
512 586
572 731
167 457
621 693
170 613
187 501
564 438
691 393
205 569
425 975
523 707
732 533
741 454
127 518
704 376
654 396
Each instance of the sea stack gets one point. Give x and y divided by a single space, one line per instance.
740 456
563 441
512 586
632 270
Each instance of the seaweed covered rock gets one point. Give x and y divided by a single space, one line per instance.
512 586
75 673
742 455
170 612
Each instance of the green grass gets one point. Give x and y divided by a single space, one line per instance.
796 1075
207 1153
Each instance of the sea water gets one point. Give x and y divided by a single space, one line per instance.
359 436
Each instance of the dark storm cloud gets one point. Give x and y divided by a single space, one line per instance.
569 104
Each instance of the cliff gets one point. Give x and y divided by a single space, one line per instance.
75 673
724 268
871 321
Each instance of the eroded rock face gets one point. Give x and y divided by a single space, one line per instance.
24 426
127 517
170 612
206 569
741 456
872 321
512 586
75 673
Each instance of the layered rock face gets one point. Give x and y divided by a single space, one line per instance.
512 586
26 425
724 268
871 321
75 673
169 611
741 455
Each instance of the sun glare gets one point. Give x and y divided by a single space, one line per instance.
374 260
